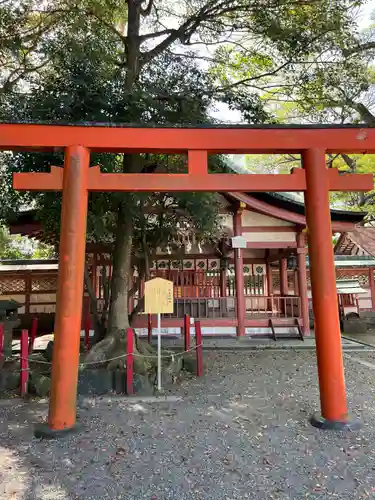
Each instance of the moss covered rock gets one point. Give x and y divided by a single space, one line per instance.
142 385
189 363
10 378
40 384
38 363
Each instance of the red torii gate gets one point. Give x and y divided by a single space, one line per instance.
76 179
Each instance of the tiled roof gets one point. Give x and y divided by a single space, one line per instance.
295 203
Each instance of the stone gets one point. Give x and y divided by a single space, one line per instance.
10 375
171 369
142 365
97 381
166 378
37 363
13 381
41 384
189 363
119 381
142 385
9 380
9 326
48 351
354 325
117 364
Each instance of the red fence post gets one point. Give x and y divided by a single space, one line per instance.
24 361
87 331
1 340
187 331
198 348
34 328
372 287
149 331
129 361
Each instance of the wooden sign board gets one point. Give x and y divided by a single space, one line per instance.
158 296
239 242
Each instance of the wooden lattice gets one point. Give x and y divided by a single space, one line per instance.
12 285
254 285
276 281
291 280
361 276
44 284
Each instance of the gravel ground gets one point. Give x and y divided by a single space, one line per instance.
240 432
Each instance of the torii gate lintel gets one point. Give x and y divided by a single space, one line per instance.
192 181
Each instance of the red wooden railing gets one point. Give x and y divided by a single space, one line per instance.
354 304
225 308
273 306
197 293
191 283
203 308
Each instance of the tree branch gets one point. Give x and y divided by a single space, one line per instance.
360 48
107 24
253 78
173 37
361 109
9 83
147 10
352 164
366 199
184 32
156 34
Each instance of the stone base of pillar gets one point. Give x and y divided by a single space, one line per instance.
334 425
43 431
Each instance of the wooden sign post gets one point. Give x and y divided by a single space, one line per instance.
159 300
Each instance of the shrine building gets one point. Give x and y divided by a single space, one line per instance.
271 277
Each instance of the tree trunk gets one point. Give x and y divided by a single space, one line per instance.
118 317
114 343
98 320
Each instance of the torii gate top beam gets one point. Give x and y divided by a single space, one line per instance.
249 139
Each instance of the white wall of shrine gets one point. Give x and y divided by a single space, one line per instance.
250 218
274 237
254 220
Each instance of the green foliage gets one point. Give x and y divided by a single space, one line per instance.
294 53
82 86
13 247
271 164
355 201
18 247
355 163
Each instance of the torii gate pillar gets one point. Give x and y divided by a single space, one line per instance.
323 283
62 407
